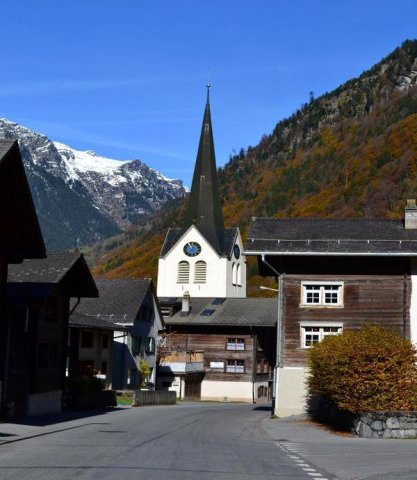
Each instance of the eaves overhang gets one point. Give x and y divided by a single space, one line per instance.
329 253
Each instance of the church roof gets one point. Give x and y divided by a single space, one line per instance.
250 312
227 239
204 208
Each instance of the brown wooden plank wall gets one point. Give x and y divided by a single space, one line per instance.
212 341
381 299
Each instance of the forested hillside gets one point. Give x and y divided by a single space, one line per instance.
349 153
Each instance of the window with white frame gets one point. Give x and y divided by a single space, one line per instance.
235 344
183 272
235 366
329 294
234 273
313 333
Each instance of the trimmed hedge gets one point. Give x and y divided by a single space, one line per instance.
371 369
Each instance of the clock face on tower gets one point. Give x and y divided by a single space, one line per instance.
236 251
192 249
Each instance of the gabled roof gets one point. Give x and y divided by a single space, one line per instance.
119 300
93 322
203 208
274 236
40 277
20 234
227 238
248 312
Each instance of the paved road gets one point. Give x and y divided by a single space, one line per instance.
189 441
195 441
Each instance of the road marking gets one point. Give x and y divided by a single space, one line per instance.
294 448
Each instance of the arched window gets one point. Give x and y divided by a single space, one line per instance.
239 275
200 272
234 274
183 272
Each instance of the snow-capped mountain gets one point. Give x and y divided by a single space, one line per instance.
81 197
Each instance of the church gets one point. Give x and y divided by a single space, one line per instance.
219 344
203 259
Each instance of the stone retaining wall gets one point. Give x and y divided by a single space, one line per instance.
386 425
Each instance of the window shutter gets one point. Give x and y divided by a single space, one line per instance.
183 272
200 272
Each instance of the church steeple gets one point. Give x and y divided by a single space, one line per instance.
204 209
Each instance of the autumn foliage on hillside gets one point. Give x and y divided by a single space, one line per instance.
349 153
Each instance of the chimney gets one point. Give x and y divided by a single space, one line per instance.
410 220
185 308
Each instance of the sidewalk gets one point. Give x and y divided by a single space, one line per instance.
298 428
342 456
30 427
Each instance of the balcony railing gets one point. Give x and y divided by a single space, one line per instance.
182 362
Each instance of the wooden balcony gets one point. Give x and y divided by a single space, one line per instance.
181 362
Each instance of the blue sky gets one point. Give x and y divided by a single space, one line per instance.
127 78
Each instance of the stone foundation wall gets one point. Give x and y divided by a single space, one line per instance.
386 425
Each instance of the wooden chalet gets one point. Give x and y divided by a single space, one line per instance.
20 237
334 275
219 349
38 297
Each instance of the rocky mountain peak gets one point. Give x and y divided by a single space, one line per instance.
82 197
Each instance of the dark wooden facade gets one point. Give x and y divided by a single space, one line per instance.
258 353
38 339
20 238
38 312
381 299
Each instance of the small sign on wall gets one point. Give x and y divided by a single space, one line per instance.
216 364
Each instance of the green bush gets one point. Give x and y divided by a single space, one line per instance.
371 369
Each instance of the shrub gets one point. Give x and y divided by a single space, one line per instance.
144 372
371 369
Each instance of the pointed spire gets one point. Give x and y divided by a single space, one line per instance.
204 208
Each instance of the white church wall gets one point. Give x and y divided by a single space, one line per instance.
218 273
239 289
